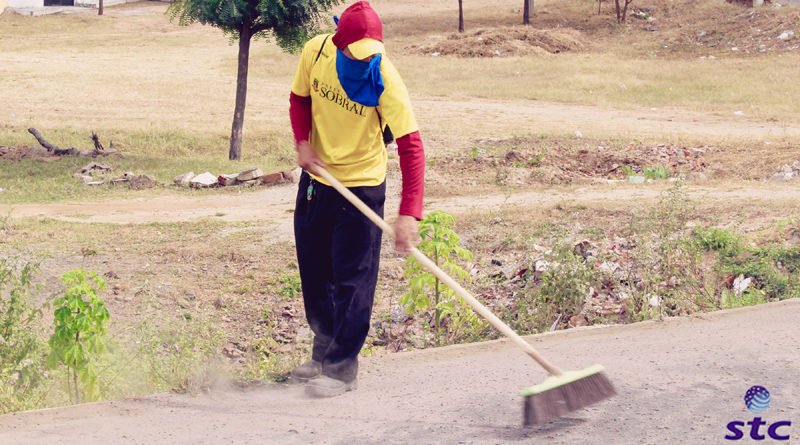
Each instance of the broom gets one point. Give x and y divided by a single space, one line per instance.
561 393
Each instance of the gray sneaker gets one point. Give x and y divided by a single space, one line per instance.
306 371
324 386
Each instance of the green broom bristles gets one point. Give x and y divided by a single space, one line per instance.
561 394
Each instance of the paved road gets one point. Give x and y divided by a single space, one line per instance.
679 381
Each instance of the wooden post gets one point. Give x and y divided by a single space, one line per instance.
527 12
460 16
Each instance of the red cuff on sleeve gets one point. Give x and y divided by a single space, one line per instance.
412 166
300 115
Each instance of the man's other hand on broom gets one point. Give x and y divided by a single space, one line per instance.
405 234
307 158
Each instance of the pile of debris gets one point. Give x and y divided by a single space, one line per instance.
252 176
510 41
787 172
94 174
755 31
523 161
617 285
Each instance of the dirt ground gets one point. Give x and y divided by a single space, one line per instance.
271 204
678 381
501 117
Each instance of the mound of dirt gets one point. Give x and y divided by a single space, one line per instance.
504 42
723 27
522 161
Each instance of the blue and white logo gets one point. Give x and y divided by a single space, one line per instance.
757 399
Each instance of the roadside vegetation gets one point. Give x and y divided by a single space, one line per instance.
190 316
193 305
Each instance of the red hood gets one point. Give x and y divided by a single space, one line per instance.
357 22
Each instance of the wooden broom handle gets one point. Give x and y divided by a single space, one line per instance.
476 305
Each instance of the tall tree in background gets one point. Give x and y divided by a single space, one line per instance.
291 22
460 17
622 10
527 10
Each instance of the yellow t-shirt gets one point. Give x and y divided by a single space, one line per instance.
346 135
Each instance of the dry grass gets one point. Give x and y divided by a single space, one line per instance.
164 93
164 89
721 86
138 76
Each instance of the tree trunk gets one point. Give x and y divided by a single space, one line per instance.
75 372
52 148
100 8
527 10
625 10
437 309
245 34
460 16
98 147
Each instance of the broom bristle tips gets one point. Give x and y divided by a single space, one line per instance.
574 394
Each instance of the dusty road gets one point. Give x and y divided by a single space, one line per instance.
678 381
272 206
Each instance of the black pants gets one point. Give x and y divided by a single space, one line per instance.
338 251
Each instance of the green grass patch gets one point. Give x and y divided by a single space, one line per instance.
162 154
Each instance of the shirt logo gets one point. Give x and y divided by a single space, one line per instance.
335 95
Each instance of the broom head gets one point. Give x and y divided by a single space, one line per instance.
561 394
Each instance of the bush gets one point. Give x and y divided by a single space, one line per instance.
79 321
451 316
775 270
22 348
725 241
558 290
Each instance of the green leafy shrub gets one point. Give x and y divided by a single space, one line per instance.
726 241
657 172
80 318
441 244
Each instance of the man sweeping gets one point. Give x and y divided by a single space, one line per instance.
344 94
